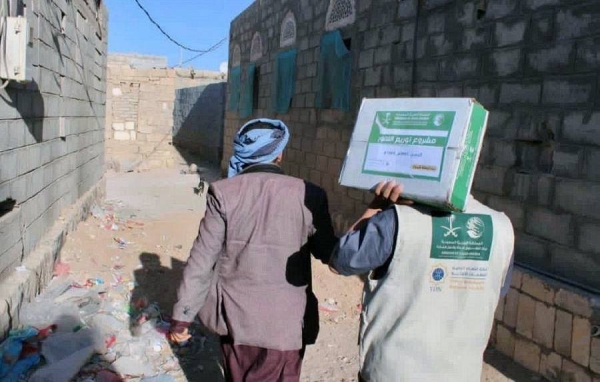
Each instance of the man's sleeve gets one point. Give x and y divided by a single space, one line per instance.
203 257
323 239
366 249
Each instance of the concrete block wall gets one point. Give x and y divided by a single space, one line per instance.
52 128
547 327
198 120
532 63
140 105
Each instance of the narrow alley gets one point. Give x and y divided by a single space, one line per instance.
134 247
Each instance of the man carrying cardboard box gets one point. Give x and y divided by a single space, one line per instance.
434 284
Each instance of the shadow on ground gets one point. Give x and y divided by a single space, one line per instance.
157 284
508 368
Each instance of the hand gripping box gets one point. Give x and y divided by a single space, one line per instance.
430 145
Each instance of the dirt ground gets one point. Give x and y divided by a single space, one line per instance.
164 213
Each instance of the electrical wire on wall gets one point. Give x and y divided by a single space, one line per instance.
4 9
200 51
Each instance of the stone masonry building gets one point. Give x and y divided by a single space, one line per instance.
534 64
51 142
140 107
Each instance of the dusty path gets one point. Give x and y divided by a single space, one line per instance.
164 214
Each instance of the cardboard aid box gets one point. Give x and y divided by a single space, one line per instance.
430 145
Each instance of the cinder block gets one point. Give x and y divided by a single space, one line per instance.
595 355
545 190
366 58
535 287
581 198
572 372
564 259
503 152
566 161
10 257
591 170
514 210
562 333
581 340
589 239
510 32
370 39
541 30
536 4
584 128
372 77
334 166
588 54
543 327
436 22
517 278
460 68
9 169
407 9
500 8
551 226
551 366
556 59
121 135
499 314
505 341
440 45
528 354
383 55
579 91
504 62
428 71
490 179
520 93
118 126
577 22
526 316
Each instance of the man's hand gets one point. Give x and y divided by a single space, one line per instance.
179 333
388 193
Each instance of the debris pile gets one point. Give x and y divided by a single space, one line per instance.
112 217
89 332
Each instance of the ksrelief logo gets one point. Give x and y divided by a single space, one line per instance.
438 120
475 228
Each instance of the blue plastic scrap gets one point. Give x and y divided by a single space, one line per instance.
12 366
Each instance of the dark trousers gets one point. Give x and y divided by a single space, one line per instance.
253 364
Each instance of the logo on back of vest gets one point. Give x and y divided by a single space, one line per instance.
459 236
463 243
437 277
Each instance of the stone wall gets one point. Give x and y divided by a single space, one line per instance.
52 128
139 112
198 120
532 63
547 328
